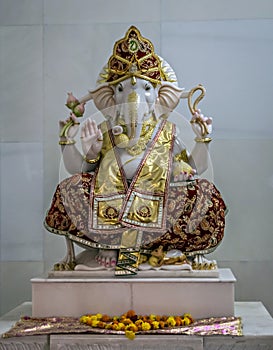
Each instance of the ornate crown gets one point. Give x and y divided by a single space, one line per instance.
133 56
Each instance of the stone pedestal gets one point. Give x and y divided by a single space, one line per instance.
202 297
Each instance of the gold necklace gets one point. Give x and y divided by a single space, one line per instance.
145 135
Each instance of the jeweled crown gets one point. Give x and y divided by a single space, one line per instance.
133 56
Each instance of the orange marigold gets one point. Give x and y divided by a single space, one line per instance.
130 313
105 318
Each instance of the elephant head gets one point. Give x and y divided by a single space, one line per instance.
129 103
134 86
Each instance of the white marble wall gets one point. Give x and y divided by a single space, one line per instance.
49 47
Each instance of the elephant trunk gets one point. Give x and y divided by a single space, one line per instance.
132 113
133 106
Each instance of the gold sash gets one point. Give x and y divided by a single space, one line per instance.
114 205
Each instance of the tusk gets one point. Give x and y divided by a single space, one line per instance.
86 98
185 94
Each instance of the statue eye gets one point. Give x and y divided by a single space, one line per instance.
120 88
147 87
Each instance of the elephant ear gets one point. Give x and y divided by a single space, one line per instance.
168 98
104 100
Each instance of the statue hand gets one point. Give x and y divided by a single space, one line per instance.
71 131
92 139
201 125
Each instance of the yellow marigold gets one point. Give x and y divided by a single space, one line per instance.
92 317
171 321
130 335
94 323
84 319
99 316
152 317
127 321
131 327
189 316
121 326
187 321
138 322
155 324
145 326
114 326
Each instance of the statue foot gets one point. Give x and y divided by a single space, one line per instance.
64 266
68 263
107 258
201 263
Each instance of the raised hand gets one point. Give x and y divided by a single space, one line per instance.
201 125
92 139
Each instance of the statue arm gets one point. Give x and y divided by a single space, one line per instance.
74 161
199 156
91 139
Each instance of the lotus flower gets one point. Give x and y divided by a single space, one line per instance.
79 109
71 101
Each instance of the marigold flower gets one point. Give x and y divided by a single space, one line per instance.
187 321
121 326
130 335
105 318
92 317
155 324
101 324
131 327
189 316
178 321
162 324
152 317
145 326
127 321
138 322
171 321
130 313
94 323
145 318
84 319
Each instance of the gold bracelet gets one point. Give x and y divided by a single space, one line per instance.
92 161
203 140
67 142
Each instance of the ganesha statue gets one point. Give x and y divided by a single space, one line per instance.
135 189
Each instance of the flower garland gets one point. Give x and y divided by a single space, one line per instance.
131 323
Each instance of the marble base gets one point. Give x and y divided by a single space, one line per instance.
202 297
257 335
